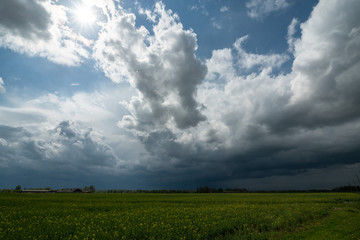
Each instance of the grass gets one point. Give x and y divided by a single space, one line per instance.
180 216
342 223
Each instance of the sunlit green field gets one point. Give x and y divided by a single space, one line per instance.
180 216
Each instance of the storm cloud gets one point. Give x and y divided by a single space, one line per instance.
264 124
28 19
225 120
65 147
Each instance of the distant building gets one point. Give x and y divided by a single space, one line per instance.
63 190
70 190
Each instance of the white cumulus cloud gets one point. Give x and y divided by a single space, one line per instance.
2 88
249 60
259 9
325 78
38 28
162 67
291 32
224 9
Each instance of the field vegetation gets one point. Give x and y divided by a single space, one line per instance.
180 216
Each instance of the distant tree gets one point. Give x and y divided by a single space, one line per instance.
236 190
92 189
203 189
18 188
358 182
348 188
7 190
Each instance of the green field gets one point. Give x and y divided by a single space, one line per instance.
180 216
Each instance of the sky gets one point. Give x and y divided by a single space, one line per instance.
147 94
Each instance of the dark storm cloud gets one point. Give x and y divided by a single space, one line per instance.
269 155
228 120
13 133
15 147
262 124
65 147
26 18
65 129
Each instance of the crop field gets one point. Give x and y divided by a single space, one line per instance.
180 216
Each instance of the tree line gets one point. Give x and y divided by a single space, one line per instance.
204 189
18 189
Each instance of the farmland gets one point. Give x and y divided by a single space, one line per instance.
180 216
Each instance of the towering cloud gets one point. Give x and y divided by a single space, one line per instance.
325 79
162 67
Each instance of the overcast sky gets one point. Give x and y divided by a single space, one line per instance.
257 94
